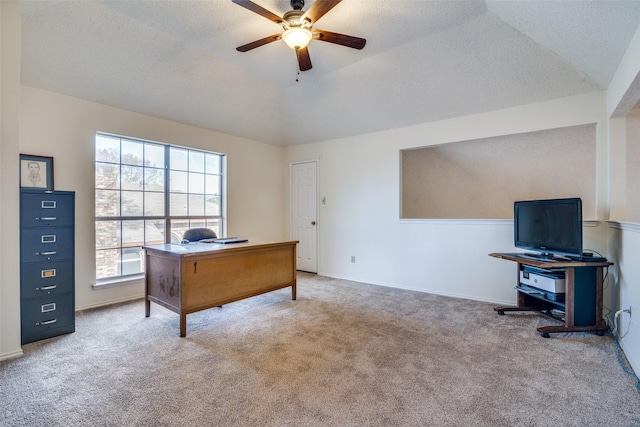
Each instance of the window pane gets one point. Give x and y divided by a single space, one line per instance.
154 179
107 149
196 183
212 206
154 155
132 202
132 261
107 203
178 227
153 204
212 184
132 152
178 182
132 233
154 232
212 163
196 204
132 177
178 158
214 224
197 223
107 234
107 263
178 204
196 161
107 175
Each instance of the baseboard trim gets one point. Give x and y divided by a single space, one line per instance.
12 355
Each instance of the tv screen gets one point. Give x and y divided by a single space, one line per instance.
551 226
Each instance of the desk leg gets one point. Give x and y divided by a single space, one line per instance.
293 290
147 308
183 325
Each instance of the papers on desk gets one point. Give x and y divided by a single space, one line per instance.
225 240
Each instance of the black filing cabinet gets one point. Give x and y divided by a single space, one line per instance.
47 264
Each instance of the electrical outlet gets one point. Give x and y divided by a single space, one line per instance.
324 200
353 259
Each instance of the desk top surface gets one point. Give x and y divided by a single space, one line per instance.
199 248
542 263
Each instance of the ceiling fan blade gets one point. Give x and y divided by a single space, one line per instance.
318 9
258 43
341 39
247 4
304 60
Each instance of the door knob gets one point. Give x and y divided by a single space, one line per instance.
313 223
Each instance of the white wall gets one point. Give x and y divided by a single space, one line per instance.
9 196
624 238
360 178
624 247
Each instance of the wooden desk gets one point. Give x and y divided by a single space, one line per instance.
186 278
582 306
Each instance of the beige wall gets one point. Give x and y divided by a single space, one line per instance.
54 125
482 178
64 128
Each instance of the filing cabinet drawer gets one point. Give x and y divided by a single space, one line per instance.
47 316
48 278
46 244
41 209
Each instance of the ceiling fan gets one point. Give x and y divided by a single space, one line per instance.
298 32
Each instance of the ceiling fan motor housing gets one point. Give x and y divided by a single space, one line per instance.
297 4
292 18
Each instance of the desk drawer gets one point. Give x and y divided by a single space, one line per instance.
47 209
47 316
46 244
46 278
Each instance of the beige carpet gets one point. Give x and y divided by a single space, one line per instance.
343 354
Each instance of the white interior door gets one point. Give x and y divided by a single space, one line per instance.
304 213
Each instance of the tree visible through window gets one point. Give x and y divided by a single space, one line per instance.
150 193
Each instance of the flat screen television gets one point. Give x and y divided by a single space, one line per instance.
550 227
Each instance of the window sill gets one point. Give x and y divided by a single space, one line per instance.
118 281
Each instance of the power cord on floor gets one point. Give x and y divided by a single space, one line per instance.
614 333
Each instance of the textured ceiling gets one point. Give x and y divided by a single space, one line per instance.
424 60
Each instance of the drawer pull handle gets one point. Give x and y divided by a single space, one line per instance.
46 253
49 322
48 288
46 218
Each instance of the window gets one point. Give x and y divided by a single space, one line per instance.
150 193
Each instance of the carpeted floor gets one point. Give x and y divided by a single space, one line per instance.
343 354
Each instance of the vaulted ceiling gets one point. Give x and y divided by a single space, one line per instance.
423 61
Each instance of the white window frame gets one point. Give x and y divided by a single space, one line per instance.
135 203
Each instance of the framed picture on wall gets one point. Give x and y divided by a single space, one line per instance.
36 172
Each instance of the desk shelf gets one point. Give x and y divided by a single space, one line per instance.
582 309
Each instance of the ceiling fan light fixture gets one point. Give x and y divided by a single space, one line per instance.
297 37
